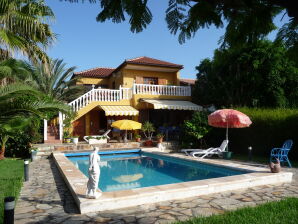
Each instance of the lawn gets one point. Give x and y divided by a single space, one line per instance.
11 180
285 212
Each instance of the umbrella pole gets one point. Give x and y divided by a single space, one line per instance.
125 136
227 136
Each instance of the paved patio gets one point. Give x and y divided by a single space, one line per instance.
46 199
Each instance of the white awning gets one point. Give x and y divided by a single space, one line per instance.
173 104
119 110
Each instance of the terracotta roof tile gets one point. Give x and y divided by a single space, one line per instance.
188 81
151 61
95 72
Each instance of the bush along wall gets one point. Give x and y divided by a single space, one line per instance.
270 128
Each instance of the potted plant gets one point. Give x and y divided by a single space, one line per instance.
148 129
159 137
66 137
227 154
75 139
33 153
138 138
67 124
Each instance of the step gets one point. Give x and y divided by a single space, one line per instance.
53 141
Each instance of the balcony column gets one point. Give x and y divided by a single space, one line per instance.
134 87
45 130
120 94
60 126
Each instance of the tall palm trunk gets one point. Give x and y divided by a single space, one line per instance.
3 143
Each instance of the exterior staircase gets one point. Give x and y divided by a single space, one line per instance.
53 134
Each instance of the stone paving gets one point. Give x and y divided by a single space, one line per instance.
46 199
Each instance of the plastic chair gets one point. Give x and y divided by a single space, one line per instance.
282 153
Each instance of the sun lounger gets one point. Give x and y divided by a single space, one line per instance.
97 139
188 151
211 151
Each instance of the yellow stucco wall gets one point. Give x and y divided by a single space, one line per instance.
117 78
130 75
95 81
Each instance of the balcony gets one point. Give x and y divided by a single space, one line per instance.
161 90
112 95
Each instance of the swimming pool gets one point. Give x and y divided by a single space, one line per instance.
224 176
138 170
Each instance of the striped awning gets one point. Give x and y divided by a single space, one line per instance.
119 110
173 104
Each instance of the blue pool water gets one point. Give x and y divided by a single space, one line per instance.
135 170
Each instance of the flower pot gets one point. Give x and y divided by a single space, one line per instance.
148 143
227 155
75 140
138 139
33 155
67 140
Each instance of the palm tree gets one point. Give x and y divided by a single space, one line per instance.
12 70
54 80
20 103
24 28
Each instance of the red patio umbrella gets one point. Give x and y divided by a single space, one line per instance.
228 118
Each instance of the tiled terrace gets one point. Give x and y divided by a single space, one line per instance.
46 199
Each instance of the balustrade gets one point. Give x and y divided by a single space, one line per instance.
162 90
112 95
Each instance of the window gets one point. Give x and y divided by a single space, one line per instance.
151 80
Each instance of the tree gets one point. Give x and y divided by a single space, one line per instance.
258 74
247 19
19 104
54 80
12 70
24 28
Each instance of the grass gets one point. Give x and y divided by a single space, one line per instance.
11 180
285 212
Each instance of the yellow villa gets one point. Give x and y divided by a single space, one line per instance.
140 89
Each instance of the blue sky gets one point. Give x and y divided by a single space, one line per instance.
85 43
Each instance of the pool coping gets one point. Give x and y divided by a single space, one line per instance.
77 183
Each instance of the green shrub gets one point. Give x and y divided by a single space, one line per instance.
194 130
270 128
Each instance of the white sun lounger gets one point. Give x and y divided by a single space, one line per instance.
93 140
211 151
188 151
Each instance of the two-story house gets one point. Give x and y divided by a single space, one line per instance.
139 89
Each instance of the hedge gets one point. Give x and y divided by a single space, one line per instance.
269 129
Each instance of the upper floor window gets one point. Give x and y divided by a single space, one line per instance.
150 80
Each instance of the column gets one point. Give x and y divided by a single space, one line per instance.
45 130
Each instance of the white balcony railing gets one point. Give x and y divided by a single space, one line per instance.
99 95
126 94
161 90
